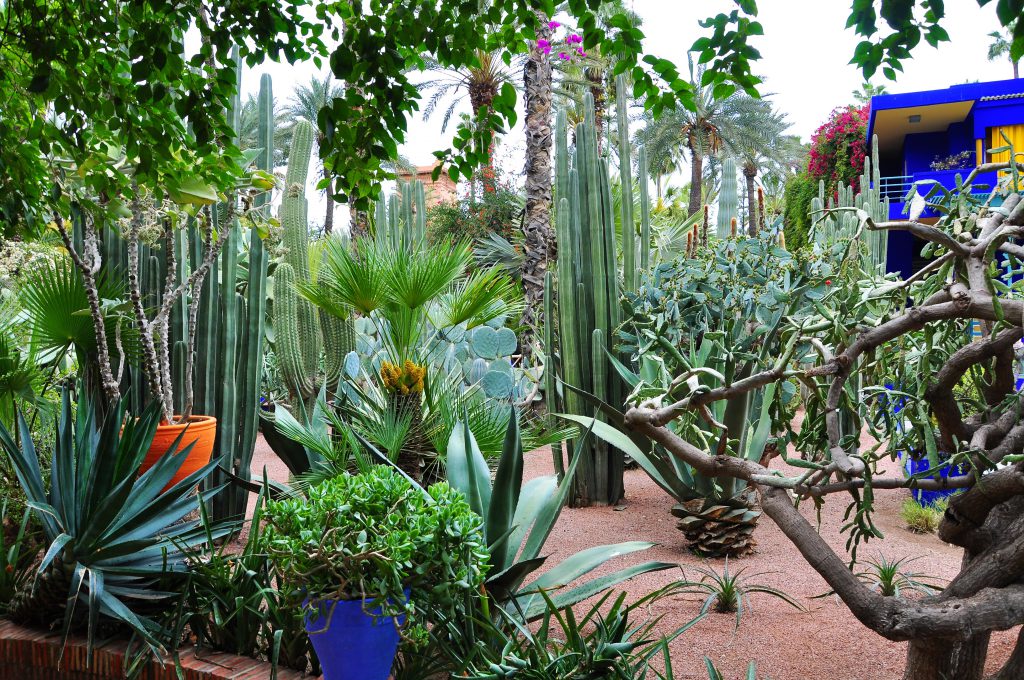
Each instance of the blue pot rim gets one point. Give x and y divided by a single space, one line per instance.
316 608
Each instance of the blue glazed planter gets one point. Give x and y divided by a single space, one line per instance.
922 496
351 643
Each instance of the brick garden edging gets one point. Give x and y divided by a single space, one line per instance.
29 654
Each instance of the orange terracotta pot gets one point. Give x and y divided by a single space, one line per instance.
201 429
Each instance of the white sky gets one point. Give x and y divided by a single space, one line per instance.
805 53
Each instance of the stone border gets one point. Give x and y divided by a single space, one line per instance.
29 654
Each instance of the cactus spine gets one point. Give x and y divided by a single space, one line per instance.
728 201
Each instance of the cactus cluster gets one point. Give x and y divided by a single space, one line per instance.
588 289
303 334
844 222
401 219
229 329
482 355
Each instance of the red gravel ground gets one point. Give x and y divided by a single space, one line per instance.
825 642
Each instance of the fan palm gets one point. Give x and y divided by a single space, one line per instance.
20 374
1001 44
59 325
411 295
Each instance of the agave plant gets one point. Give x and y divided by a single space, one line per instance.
110 533
727 592
518 519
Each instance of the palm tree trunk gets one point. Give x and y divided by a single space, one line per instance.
329 217
1016 70
696 178
539 239
749 172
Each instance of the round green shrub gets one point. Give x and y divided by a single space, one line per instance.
372 536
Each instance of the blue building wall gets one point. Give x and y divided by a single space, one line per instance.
921 149
992 104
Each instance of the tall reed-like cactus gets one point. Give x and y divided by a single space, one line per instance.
728 199
588 296
401 219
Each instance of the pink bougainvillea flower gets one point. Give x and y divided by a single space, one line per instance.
574 38
553 25
563 56
544 46
579 51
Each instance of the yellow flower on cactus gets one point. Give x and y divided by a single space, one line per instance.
405 379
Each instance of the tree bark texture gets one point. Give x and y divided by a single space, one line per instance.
537 224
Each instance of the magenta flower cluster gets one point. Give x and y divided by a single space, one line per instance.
572 44
838 147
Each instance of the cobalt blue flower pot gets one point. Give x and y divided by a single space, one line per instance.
922 496
351 643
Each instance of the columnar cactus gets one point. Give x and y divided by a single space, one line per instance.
229 329
588 296
629 271
401 219
728 202
302 332
645 211
844 223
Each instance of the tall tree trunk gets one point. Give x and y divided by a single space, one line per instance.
539 238
329 217
481 98
696 178
1016 70
749 172
938 659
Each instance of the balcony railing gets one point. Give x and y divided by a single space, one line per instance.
895 188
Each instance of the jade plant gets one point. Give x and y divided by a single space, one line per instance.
377 538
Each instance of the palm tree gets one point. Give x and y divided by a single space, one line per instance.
712 123
537 85
479 83
306 104
1001 44
757 147
866 92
